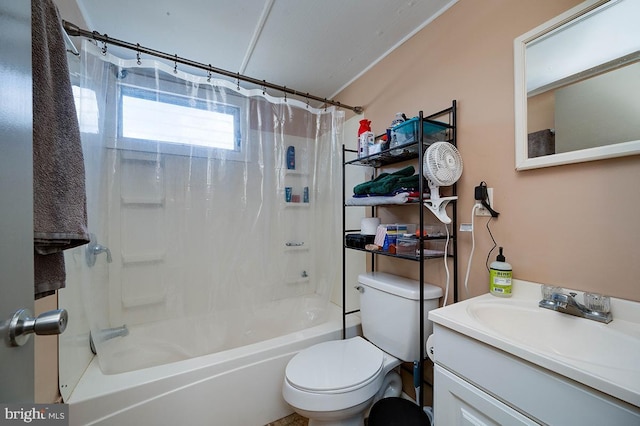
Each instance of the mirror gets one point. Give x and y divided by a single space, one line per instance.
577 86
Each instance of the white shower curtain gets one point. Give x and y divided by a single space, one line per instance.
214 240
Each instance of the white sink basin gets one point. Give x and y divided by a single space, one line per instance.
606 345
605 357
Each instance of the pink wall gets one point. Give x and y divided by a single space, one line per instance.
576 225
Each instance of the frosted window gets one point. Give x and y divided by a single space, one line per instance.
147 115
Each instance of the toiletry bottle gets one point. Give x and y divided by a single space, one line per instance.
394 141
399 119
500 274
365 137
291 158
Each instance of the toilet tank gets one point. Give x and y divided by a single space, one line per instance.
390 312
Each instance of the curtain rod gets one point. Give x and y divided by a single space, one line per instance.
74 30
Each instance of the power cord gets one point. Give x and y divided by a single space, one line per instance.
446 267
476 206
494 244
482 200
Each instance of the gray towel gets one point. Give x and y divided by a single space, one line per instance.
59 199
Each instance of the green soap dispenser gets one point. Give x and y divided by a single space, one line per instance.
500 274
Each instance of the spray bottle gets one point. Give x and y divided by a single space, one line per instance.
365 138
500 274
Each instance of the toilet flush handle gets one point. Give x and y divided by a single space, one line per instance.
359 288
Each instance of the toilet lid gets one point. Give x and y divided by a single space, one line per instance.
335 365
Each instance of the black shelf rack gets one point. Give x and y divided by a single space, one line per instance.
441 120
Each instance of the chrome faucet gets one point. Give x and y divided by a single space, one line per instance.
596 306
107 334
94 249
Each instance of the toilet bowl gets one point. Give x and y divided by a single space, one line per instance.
336 382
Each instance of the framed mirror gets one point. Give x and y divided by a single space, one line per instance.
577 86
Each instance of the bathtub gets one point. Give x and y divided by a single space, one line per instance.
240 386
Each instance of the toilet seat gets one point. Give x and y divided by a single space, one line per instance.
336 366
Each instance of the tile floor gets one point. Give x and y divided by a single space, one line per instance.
292 420
295 420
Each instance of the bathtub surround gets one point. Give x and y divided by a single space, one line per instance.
186 180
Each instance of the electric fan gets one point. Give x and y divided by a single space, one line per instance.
442 166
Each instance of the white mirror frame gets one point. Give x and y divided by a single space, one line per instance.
523 162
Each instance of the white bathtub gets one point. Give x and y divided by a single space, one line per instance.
240 386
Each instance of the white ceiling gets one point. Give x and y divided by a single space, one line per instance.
314 46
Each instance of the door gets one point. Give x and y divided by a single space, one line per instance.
459 403
16 195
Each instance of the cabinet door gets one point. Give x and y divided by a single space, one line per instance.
459 403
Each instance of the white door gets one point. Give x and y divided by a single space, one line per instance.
16 195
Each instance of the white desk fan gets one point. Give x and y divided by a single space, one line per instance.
442 166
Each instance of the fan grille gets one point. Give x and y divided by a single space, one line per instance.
443 164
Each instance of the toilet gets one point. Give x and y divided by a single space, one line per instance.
336 382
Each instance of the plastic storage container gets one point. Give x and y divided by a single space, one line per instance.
407 246
435 230
407 132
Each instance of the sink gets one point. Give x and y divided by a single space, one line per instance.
564 335
601 356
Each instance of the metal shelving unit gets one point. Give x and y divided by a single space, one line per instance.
442 120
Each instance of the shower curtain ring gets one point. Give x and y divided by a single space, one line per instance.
238 81
175 64
307 100
209 74
285 93
138 61
104 45
264 87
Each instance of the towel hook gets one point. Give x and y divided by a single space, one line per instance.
139 62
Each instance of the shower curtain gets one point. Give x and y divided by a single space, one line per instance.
214 211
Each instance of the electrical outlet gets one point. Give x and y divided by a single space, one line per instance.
482 211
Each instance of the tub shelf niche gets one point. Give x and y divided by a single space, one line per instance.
131 302
134 259
151 201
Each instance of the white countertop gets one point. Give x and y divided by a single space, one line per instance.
605 357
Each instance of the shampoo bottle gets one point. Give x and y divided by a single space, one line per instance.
291 158
500 274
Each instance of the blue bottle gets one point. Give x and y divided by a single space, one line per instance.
291 158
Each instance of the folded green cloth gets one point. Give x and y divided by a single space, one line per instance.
409 182
384 183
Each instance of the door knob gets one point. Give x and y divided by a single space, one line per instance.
22 325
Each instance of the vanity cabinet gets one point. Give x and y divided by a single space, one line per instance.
478 384
438 126
458 402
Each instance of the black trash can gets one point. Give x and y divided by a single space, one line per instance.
397 412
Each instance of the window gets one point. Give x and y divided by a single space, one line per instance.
146 115
86 109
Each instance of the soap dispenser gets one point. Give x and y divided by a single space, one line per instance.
500 274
